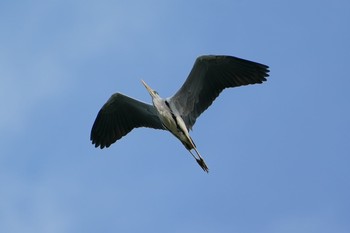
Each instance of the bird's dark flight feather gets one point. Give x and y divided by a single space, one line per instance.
118 116
208 77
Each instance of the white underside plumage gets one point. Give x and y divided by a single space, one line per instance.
173 122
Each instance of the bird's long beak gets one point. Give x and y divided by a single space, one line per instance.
150 90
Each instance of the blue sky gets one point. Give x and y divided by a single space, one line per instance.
278 153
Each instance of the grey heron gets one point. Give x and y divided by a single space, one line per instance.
177 114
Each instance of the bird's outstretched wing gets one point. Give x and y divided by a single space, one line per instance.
118 116
208 77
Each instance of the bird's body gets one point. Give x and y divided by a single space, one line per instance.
173 122
177 114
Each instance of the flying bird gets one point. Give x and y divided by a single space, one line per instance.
177 114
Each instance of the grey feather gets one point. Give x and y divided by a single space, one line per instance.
118 116
208 77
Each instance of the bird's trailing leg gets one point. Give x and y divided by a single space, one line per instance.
200 160
191 146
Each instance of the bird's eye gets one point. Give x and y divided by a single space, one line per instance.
156 93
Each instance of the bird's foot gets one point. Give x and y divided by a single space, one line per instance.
201 163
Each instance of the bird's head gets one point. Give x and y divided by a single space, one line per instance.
152 92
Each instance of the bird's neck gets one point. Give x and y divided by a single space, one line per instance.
157 101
